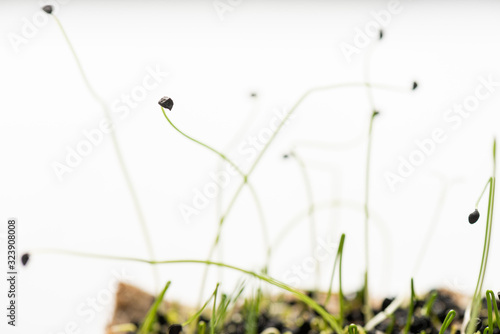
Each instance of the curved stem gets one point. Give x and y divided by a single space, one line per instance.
135 200
476 299
304 298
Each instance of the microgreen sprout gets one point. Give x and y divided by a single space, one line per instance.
200 311
490 299
366 296
213 320
202 327
447 321
150 318
222 219
116 145
476 299
329 319
410 309
338 258
426 309
352 329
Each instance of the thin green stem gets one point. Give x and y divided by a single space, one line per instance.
426 310
476 299
366 295
447 321
482 193
338 258
150 319
268 279
135 200
223 156
197 314
213 320
410 310
490 298
222 218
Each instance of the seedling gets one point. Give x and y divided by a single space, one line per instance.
352 329
150 319
410 309
490 300
338 258
447 321
107 114
476 299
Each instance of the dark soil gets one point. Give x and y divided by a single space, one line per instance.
292 316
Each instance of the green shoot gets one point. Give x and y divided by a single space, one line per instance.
223 217
491 300
352 329
447 321
366 295
147 325
476 299
202 327
197 314
329 319
426 310
213 320
107 114
252 307
410 309
338 258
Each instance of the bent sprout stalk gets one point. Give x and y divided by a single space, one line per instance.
447 321
329 319
476 299
107 114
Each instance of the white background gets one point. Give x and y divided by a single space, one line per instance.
214 62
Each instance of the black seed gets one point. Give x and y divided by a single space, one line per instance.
375 113
415 85
253 94
386 302
25 258
285 156
175 329
166 102
473 217
381 34
47 9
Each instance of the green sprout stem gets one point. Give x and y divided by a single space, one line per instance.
366 295
147 325
426 310
202 327
476 299
352 329
222 218
330 319
491 300
213 320
338 258
447 321
198 313
135 200
410 310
